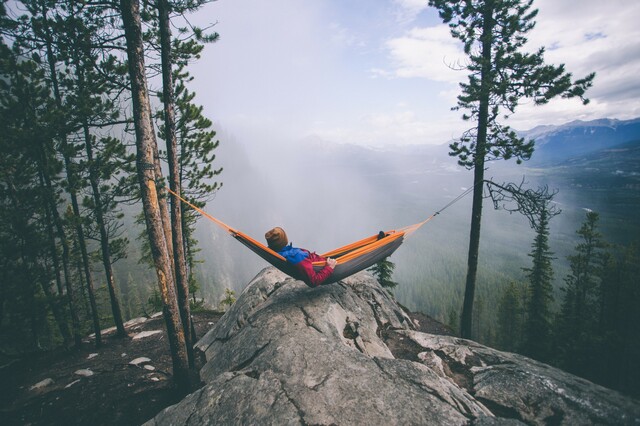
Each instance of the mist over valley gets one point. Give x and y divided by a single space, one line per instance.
327 194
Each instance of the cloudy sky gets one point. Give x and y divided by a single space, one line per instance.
379 72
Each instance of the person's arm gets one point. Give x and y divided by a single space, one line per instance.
313 278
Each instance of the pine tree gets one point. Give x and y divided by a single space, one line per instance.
623 317
168 98
196 148
29 33
500 75
188 141
537 328
40 33
148 174
26 157
452 320
228 300
615 342
578 322
179 236
383 271
89 90
510 318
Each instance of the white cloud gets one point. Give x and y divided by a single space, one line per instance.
401 126
427 53
409 9
601 37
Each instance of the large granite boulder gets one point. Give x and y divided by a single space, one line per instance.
288 354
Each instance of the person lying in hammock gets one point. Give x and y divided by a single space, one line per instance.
300 258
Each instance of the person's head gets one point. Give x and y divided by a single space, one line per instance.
276 239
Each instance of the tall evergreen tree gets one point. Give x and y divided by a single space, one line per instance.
147 175
194 152
500 75
621 334
27 32
577 326
168 98
188 140
510 318
39 34
537 329
197 146
28 120
89 93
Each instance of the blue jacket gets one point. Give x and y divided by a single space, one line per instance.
293 255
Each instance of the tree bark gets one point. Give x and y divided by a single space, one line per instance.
182 283
82 243
104 237
63 326
146 147
466 319
57 312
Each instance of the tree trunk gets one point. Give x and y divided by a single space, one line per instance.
53 303
82 243
146 147
478 177
57 221
57 313
52 243
189 259
182 283
104 237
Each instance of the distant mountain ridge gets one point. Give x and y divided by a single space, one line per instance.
555 144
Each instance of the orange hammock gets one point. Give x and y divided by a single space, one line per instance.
350 259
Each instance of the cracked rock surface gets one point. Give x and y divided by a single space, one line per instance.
288 354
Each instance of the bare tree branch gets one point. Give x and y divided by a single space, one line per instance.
528 202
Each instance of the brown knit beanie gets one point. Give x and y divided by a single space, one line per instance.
276 239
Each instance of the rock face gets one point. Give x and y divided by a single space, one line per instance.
289 354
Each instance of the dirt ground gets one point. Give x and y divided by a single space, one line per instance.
117 393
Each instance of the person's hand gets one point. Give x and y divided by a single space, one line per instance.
331 263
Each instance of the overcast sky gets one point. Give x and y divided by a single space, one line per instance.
377 72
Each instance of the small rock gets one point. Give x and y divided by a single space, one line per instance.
149 367
123 354
156 315
92 356
42 384
139 361
85 372
72 383
154 379
135 321
146 334
108 330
